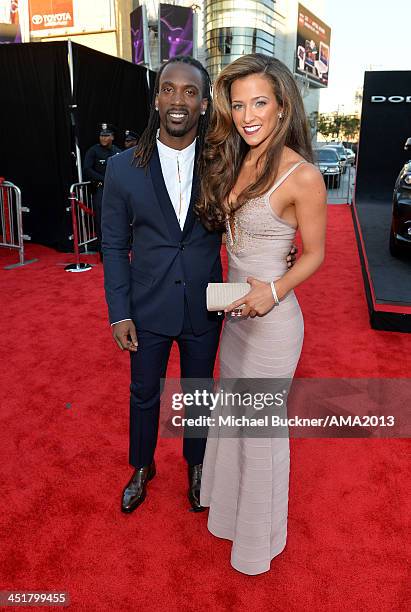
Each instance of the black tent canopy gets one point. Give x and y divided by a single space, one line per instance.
45 109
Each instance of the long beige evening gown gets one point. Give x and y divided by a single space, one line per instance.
245 480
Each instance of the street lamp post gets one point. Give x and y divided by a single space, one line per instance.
196 9
337 119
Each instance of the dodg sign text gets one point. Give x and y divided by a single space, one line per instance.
394 99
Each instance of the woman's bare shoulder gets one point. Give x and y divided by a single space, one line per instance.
290 157
308 176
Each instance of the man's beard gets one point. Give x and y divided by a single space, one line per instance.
178 131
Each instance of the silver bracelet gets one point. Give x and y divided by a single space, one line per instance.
274 292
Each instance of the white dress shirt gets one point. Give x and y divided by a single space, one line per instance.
177 168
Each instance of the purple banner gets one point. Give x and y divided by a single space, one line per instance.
137 36
176 31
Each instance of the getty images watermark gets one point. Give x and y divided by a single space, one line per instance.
283 408
258 402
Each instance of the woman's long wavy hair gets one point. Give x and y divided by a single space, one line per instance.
147 142
225 150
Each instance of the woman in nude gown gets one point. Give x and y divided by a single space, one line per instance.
260 185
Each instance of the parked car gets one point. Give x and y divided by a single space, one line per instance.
353 146
350 157
328 163
400 234
337 146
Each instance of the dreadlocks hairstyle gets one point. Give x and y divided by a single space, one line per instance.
225 150
147 141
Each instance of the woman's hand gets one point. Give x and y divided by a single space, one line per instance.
257 302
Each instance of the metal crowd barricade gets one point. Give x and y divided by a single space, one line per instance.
341 192
84 223
11 222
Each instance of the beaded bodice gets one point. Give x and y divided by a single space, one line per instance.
258 240
255 221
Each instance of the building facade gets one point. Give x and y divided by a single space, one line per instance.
237 27
103 25
224 30
286 19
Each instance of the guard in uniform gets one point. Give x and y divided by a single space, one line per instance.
95 168
130 139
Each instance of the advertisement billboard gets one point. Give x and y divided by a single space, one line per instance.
9 21
137 35
50 14
175 31
313 47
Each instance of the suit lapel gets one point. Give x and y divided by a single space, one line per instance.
163 198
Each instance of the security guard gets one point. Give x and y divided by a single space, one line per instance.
95 168
130 139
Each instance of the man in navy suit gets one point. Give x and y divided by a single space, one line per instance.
158 296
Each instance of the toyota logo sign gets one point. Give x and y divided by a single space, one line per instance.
37 19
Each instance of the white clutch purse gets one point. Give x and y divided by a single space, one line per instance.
220 295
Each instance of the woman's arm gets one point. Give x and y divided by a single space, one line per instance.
310 200
311 213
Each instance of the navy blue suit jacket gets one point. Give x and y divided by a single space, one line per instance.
167 264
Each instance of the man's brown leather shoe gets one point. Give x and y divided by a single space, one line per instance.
194 484
136 489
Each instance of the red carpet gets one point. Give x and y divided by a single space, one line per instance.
64 423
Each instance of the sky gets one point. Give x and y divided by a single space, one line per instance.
364 33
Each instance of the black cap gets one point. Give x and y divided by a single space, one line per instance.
106 129
130 135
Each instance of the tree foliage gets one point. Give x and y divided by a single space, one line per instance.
336 127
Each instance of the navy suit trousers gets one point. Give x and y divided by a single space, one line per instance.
148 366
